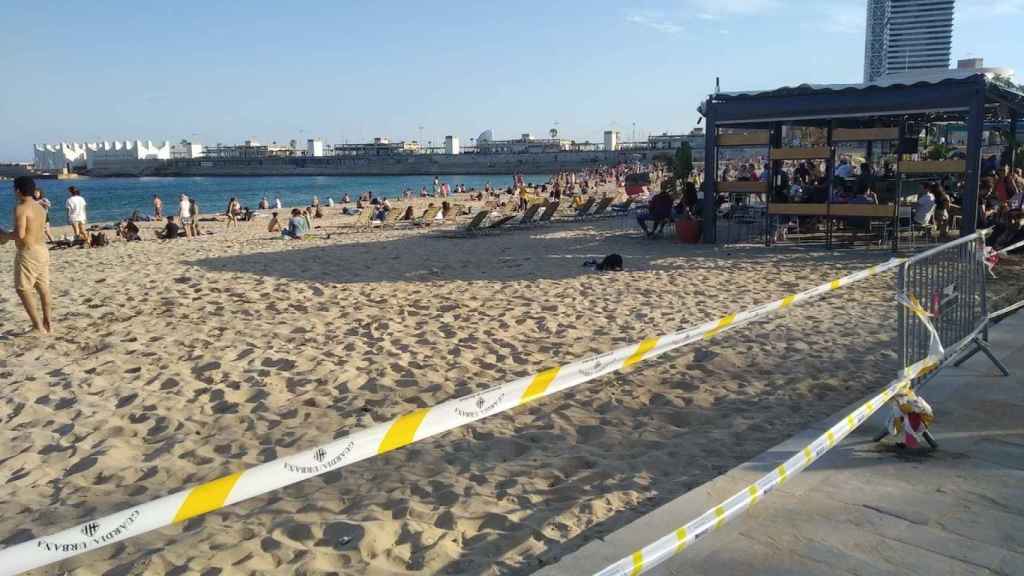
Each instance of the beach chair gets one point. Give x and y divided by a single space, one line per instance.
392 218
428 216
602 207
364 220
622 209
529 215
548 213
472 228
497 224
582 211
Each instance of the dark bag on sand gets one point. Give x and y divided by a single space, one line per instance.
610 262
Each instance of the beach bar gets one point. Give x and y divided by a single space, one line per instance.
880 117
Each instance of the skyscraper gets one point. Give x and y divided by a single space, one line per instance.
907 36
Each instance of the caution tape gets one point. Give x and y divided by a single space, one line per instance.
379 439
675 542
1010 248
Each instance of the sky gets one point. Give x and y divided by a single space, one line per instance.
346 71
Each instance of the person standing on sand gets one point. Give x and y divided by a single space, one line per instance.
40 197
76 214
158 207
185 215
193 212
277 203
31 258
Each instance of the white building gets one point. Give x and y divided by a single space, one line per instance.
57 157
314 147
611 140
906 36
451 145
126 151
187 150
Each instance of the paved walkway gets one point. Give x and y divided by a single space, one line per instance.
865 508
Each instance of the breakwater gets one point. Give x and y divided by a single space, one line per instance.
383 165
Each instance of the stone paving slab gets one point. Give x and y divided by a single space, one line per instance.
867 508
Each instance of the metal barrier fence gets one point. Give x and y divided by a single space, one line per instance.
950 282
741 220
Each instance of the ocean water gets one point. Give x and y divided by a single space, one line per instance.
111 199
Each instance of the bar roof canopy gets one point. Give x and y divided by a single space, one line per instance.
944 99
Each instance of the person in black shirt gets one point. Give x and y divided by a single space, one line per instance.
170 231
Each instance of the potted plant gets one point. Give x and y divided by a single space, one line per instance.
688 226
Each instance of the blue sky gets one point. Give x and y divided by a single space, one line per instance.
348 71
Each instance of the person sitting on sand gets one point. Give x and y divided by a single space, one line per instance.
317 211
31 258
346 199
296 226
171 230
275 224
128 230
410 214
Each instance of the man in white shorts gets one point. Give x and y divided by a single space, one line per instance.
76 214
185 215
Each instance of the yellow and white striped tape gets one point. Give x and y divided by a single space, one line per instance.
675 542
643 560
378 439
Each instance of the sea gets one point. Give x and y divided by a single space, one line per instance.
112 199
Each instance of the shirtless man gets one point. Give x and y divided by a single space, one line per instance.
31 259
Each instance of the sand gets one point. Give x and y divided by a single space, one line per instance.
178 362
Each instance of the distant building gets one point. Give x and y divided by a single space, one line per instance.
451 145
379 147
186 150
526 144
315 148
250 149
611 140
904 36
128 150
964 68
57 157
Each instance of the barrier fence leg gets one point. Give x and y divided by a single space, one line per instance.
980 345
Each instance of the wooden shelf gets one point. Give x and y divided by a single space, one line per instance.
759 138
864 134
741 187
933 166
818 153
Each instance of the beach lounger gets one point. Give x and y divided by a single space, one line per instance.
602 207
548 213
622 209
475 226
392 218
529 215
493 226
581 213
362 221
428 217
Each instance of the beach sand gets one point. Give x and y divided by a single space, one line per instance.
178 362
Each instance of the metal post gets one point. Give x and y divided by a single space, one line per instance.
1011 139
830 168
901 337
774 172
975 126
710 172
